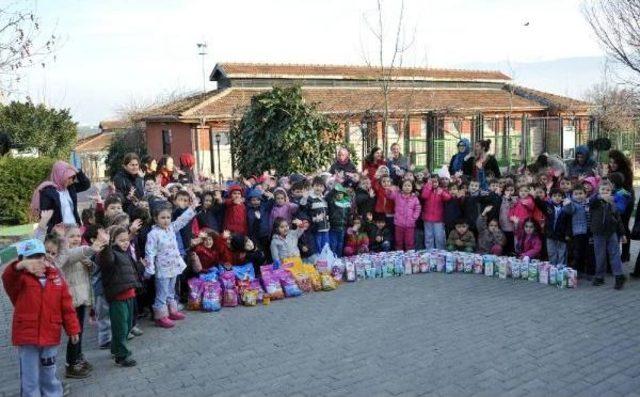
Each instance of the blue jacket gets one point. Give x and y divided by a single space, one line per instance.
259 228
622 200
579 213
556 224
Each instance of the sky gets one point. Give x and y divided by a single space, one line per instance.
114 53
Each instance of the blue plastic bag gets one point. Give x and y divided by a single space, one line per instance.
245 272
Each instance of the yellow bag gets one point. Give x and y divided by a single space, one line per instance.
311 272
292 264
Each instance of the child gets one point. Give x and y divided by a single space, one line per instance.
38 292
556 226
307 243
523 207
491 240
357 239
282 207
284 243
365 198
453 209
379 236
528 240
316 207
339 215
100 304
433 214
210 213
119 280
566 186
235 212
607 230
473 204
112 206
184 234
258 225
210 249
461 238
506 224
165 262
578 209
244 251
383 205
407 212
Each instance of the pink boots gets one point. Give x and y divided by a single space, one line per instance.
162 319
174 313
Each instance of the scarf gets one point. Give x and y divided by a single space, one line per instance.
60 173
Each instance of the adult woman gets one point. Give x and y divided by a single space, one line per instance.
372 162
343 163
618 162
186 174
457 160
398 163
128 181
481 165
149 165
583 165
165 170
60 194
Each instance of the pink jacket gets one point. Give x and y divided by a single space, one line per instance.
407 208
522 209
433 209
530 246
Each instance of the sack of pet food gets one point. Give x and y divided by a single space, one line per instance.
460 263
415 264
314 277
449 263
502 267
369 270
533 271
543 273
272 285
328 282
337 271
350 271
398 266
561 277
489 262
244 272
194 301
388 268
467 264
478 264
440 262
408 267
326 260
572 278
288 283
424 263
211 296
304 282
210 275
553 273
361 269
249 297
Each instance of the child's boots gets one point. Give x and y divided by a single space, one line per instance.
162 319
174 313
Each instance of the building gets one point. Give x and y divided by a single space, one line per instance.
91 151
429 111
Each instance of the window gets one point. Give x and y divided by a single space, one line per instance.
166 141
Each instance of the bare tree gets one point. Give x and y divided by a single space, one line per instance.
616 24
22 43
615 106
387 64
136 109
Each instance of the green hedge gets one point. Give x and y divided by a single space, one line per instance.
18 178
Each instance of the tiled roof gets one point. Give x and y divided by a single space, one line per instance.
551 100
232 102
257 70
95 143
178 107
114 124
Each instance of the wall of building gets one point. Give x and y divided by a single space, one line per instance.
180 138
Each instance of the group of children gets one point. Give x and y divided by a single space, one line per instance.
122 264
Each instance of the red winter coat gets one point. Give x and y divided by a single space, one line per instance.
522 209
39 312
372 168
433 207
407 208
383 204
218 254
528 245
235 217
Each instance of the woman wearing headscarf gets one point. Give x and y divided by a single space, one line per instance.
185 174
457 160
60 194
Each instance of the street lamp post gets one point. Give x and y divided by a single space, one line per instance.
219 158
213 160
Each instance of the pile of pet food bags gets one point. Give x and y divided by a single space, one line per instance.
219 287
391 264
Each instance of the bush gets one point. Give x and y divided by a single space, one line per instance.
18 179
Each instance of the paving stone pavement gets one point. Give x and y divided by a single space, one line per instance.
427 334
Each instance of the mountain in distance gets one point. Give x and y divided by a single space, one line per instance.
570 77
